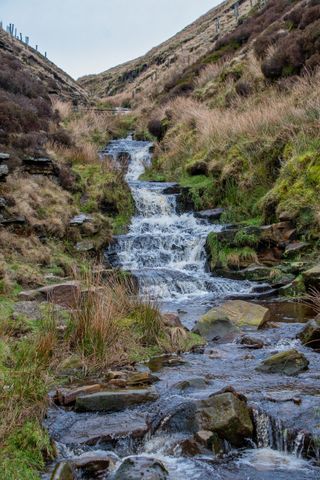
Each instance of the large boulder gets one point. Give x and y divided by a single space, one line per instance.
226 414
228 318
115 400
310 334
66 294
312 277
137 468
290 362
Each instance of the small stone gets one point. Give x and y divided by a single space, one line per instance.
80 219
197 383
94 464
250 342
210 215
203 437
4 156
3 202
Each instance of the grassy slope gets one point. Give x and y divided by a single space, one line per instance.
245 136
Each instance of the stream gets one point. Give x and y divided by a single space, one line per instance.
164 249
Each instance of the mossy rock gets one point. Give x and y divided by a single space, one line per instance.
310 334
290 362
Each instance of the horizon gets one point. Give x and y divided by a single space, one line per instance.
55 29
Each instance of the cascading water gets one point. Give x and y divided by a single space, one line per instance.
165 249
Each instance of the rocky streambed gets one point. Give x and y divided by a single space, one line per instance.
244 406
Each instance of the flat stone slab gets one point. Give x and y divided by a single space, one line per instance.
91 429
114 401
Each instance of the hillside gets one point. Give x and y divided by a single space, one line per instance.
173 55
54 79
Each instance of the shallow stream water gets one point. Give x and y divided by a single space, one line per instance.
164 249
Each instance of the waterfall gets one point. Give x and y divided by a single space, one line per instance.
164 249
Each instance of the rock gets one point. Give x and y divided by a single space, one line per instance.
30 310
80 219
190 447
180 418
40 166
85 246
66 294
115 401
210 215
66 397
172 320
278 233
250 342
295 247
226 319
63 471
290 362
203 437
216 326
94 464
196 383
14 221
4 171
312 277
140 378
4 156
197 168
310 334
226 414
92 429
3 202
146 468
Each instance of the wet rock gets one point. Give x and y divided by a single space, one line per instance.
140 378
196 383
250 342
290 362
284 396
172 320
226 319
3 202
4 156
92 429
215 325
181 418
190 447
312 277
66 396
203 437
115 400
94 464
210 215
226 414
64 471
310 334
146 468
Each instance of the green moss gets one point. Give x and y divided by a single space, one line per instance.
24 453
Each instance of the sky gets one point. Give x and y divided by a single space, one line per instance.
90 36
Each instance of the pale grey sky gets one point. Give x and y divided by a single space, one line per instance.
89 36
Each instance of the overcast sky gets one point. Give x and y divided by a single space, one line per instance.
89 36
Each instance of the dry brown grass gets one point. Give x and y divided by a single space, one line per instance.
46 206
63 108
266 114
